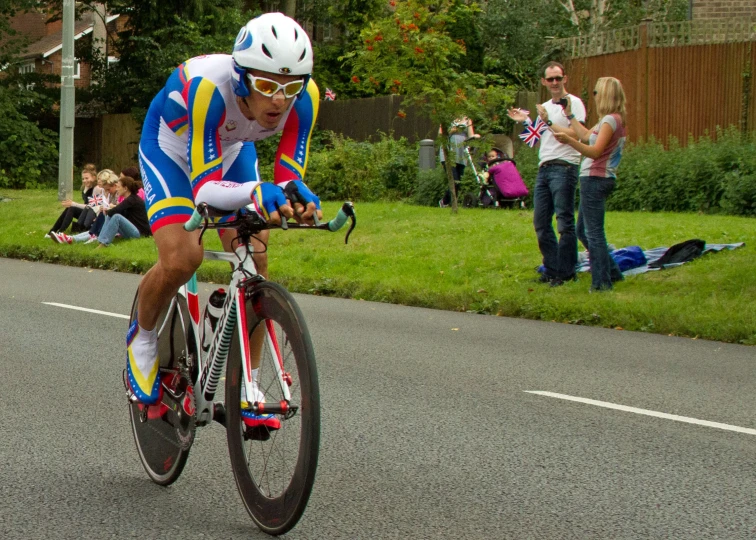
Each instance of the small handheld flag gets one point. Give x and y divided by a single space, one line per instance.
97 200
330 95
532 133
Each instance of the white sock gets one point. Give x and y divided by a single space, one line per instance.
144 349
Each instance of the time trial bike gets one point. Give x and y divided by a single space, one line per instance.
261 340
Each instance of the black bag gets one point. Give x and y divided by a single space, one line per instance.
680 253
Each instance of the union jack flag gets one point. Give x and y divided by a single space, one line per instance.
97 200
330 95
532 133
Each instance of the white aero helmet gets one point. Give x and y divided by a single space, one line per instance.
274 43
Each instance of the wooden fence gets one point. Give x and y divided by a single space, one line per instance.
363 119
111 141
680 79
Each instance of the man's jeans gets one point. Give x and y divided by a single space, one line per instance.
114 225
594 191
555 194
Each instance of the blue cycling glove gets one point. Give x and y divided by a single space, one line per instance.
267 198
298 192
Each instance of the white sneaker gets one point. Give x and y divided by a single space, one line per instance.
92 238
47 235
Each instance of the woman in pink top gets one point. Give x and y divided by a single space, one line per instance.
598 174
133 172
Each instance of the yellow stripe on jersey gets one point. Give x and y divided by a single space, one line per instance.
198 116
171 202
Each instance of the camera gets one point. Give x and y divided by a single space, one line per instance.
564 102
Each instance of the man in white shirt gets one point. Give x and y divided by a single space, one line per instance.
557 179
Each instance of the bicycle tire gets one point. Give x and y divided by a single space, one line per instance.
276 504
157 444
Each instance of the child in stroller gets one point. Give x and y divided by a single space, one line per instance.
502 184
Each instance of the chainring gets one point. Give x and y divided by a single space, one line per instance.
181 413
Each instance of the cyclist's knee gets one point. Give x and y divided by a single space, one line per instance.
179 253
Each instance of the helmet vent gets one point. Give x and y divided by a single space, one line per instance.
273 29
304 53
266 52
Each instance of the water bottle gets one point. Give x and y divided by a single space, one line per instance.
213 311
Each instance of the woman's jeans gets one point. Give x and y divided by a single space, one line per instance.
594 190
114 225
555 194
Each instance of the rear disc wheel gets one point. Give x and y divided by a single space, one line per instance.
163 448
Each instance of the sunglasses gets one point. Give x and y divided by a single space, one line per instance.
270 88
554 79
595 92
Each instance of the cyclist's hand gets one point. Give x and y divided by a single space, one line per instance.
270 202
305 202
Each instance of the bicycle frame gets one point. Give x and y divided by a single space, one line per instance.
211 365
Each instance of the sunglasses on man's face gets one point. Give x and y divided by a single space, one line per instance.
270 88
554 79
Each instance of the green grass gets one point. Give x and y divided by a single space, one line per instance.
479 260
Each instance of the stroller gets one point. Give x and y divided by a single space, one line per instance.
504 186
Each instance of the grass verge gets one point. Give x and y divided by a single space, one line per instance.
478 260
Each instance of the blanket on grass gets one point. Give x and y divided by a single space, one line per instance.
655 258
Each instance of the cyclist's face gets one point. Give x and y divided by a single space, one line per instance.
268 111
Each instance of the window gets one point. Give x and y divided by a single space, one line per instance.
77 69
26 68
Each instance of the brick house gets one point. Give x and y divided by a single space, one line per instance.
723 9
44 53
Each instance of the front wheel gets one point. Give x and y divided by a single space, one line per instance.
275 469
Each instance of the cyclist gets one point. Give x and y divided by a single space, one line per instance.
197 145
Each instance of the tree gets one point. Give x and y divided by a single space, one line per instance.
517 31
160 36
409 51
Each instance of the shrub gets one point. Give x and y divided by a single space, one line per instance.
28 154
351 170
431 186
705 176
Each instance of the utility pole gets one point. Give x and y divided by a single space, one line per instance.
67 106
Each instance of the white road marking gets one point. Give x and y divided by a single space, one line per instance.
646 412
97 311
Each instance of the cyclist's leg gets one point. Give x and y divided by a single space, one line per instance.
169 204
240 165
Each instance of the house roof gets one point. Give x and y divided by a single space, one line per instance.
51 44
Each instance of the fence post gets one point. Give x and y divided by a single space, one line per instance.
643 81
427 155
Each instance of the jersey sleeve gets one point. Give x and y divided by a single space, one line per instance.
206 112
292 154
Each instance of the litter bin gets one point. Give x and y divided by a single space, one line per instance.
427 154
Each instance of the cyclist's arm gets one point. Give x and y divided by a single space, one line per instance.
293 150
206 112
